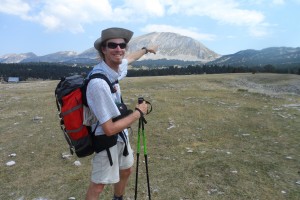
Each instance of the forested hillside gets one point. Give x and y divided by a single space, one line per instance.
54 71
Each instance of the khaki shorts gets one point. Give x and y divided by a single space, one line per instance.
102 172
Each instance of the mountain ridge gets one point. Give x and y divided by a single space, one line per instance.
173 48
251 57
16 58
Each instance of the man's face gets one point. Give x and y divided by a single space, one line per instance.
114 52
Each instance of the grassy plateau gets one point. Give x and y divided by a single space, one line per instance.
215 137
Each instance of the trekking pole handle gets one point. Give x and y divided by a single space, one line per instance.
140 100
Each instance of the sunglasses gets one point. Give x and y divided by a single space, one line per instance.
113 45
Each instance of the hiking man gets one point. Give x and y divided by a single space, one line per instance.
113 166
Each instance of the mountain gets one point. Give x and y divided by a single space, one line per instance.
16 58
250 57
174 49
172 46
61 56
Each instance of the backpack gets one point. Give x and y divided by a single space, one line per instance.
70 96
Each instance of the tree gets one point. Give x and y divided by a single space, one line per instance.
269 68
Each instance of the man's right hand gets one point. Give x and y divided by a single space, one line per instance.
143 107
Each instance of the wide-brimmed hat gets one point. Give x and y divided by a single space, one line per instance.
112 33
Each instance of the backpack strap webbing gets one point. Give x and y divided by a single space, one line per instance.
86 82
123 136
102 76
109 157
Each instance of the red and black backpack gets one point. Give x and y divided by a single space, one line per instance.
70 96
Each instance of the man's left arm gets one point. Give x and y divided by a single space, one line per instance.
138 54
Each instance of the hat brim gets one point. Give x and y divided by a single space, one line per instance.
113 33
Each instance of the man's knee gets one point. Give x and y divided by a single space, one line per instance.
126 172
94 191
96 188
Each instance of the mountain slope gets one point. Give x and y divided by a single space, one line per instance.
16 58
61 56
272 55
172 46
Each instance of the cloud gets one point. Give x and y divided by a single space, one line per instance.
278 2
73 15
14 7
69 15
222 11
191 32
150 8
226 12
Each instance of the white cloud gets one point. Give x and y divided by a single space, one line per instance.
72 15
60 14
268 2
222 11
191 32
278 2
151 8
14 7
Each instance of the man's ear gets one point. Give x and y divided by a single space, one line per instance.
103 49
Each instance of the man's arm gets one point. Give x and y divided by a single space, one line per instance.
111 128
138 54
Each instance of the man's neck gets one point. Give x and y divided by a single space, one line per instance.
113 66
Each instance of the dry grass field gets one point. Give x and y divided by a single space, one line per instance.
229 136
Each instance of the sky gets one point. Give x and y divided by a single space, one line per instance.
224 26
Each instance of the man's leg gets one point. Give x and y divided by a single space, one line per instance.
119 188
94 191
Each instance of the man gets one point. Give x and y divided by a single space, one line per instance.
113 167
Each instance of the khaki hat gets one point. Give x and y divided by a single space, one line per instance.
112 33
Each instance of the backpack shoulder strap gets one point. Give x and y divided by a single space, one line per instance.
86 82
102 76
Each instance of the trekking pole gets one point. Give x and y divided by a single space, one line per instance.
146 159
137 158
141 129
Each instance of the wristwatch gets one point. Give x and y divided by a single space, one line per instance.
145 49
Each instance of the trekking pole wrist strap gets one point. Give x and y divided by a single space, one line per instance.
141 115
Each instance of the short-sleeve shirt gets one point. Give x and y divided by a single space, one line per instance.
99 97
123 69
